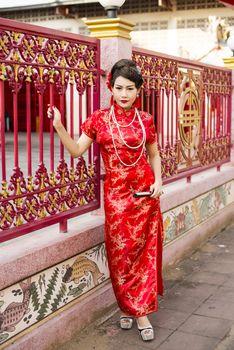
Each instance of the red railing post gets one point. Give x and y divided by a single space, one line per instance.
63 226
15 117
28 117
50 61
72 118
51 104
41 148
2 128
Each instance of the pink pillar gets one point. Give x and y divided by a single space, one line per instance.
115 49
114 34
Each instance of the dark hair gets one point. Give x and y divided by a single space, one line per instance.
126 69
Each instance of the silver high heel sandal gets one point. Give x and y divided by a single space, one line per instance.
126 322
146 333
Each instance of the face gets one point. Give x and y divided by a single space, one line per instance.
124 92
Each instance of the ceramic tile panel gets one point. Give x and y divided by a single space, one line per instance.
33 299
183 218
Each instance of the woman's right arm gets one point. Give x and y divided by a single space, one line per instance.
76 149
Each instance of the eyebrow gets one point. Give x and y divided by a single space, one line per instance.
126 86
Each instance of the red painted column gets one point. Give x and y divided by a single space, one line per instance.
15 118
80 113
2 126
41 150
172 117
71 118
158 119
168 116
208 117
162 115
153 104
177 116
88 109
62 111
62 223
51 130
28 118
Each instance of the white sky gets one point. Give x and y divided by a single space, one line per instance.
12 3
25 3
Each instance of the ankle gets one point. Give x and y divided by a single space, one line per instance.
143 321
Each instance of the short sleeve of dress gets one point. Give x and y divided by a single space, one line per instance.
151 134
89 127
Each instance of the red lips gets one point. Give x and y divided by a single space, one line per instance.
124 101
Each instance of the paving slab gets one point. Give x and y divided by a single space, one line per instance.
200 291
132 337
185 341
206 326
223 293
217 308
228 341
168 318
209 277
181 303
220 266
229 283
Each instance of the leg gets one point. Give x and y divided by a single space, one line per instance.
143 321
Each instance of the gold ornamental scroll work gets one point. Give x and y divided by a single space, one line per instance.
189 119
39 61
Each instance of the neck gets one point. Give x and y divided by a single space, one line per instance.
125 109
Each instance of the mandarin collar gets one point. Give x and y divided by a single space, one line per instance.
121 111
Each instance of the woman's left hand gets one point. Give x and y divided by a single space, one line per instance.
156 189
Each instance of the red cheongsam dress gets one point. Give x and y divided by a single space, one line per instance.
133 226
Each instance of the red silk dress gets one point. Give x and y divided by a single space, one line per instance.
133 226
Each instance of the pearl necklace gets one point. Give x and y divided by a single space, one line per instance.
142 143
115 120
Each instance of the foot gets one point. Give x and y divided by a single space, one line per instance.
126 321
145 328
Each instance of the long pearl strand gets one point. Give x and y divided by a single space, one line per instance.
142 143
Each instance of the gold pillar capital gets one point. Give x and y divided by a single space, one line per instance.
229 62
110 28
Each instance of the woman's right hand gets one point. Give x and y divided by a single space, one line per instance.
54 113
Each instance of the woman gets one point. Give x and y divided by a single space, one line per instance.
133 226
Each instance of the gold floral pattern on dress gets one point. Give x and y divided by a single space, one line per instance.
133 227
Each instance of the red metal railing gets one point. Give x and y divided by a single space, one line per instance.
41 67
191 104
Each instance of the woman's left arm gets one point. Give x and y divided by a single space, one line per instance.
155 162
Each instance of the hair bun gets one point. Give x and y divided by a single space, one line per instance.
126 69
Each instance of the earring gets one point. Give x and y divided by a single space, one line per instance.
138 102
112 100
